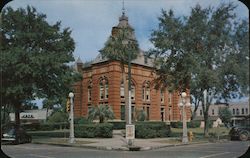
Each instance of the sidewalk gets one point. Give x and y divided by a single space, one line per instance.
118 142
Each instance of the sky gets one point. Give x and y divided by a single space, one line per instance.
91 21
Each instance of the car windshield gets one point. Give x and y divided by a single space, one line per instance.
11 132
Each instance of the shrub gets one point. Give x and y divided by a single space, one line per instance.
81 120
118 125
176 124
58 134
193 124
152 130
102 130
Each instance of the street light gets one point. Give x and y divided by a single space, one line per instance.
182 105
129 127
71 118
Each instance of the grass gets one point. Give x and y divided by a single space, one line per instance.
199 132
59 141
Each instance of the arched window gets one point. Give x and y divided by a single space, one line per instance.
146 91
170 99
103 84
233 111
162 95
89 91
122 91
106 90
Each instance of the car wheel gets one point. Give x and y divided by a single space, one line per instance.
244 136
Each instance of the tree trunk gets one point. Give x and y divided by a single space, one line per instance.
17 115
206 124
196 105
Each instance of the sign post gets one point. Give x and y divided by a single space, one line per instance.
130 134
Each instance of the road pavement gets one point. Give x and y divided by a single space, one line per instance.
230 149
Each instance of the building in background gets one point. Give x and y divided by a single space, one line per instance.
239 111
102 84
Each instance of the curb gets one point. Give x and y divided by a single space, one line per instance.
125 148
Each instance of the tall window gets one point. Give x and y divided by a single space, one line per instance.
162 96
146 91
233 111
246 110
242 111
103 88
122 90
101 91
200 112
132 91
170 98
89 93
212 111
237 111
106 90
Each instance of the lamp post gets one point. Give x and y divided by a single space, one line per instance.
71 118
182 105
130 127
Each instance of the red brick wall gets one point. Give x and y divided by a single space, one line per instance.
112 71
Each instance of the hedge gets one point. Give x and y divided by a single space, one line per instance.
99 130
118 124
152 130
58 134
191 124
45 126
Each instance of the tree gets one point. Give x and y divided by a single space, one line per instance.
225 115
116 49
202 52
102 112
34 58
58 117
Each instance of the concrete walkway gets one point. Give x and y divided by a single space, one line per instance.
118 142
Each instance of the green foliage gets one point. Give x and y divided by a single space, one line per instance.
103 130
102 112
115 49
118 125
58 117
81 120
52 134
34 57
225 115
203 52
152 130
5 118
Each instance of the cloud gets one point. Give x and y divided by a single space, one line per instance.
91 21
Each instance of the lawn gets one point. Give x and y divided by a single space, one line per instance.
198 132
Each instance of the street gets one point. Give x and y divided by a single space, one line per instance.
231 149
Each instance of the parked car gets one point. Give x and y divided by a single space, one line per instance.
241 131
16 137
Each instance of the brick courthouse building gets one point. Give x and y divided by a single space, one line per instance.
102 84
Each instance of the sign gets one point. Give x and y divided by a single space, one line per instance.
130 131
28 116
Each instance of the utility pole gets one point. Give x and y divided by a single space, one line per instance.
71 118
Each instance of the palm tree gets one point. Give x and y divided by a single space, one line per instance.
102 112
116 49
